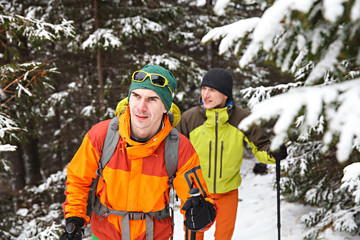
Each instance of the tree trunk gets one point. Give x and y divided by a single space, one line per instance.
59 161
209 56
99 63
101 81
209 46
33 160
18 170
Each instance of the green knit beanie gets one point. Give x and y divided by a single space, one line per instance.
163 92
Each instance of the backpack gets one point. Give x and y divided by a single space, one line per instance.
171 161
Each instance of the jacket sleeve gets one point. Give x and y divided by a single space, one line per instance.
255 137
189 174
260 145
80 173
182 128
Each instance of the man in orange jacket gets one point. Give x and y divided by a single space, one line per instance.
135 181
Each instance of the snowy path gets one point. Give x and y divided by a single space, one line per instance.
257 212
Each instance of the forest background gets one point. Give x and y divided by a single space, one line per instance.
65 65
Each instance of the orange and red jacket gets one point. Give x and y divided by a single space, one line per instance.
134 180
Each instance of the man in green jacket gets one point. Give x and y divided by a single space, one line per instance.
212 129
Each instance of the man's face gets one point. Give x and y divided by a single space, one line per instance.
146 111
212 98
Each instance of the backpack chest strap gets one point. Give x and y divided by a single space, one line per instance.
159 215
127 216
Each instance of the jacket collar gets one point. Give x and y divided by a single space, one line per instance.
218 116
138 149
229 109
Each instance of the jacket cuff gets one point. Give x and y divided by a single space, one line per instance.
76 220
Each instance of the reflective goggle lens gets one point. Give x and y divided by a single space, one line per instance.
139 76
155 79
158 80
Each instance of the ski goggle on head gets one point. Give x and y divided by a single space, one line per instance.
155 79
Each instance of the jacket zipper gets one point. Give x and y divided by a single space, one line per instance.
221 158
209 159
216 146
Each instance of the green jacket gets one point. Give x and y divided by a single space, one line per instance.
220 144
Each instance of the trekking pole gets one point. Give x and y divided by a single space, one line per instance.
195 200
278 196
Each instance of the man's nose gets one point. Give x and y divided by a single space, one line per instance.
142 106
205 93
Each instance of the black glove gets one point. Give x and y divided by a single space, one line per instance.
73 230
260 168
281 154
199 213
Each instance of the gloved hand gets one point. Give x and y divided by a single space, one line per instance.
260 168
73 230
199 213
281 154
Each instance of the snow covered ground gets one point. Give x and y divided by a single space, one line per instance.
257 212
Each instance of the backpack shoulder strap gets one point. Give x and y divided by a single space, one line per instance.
171 152
110 143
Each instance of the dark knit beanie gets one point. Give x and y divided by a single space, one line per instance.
219 79
164 92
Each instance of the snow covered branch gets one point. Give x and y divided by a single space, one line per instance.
229 35
259 94
138 24
103 37
338 104
294 32
108 38
21 77
351 180
7 126
37 29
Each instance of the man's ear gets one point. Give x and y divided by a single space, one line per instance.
227 101
164 111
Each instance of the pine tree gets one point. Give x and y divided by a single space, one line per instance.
317 43
26 73
23 79
127 35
